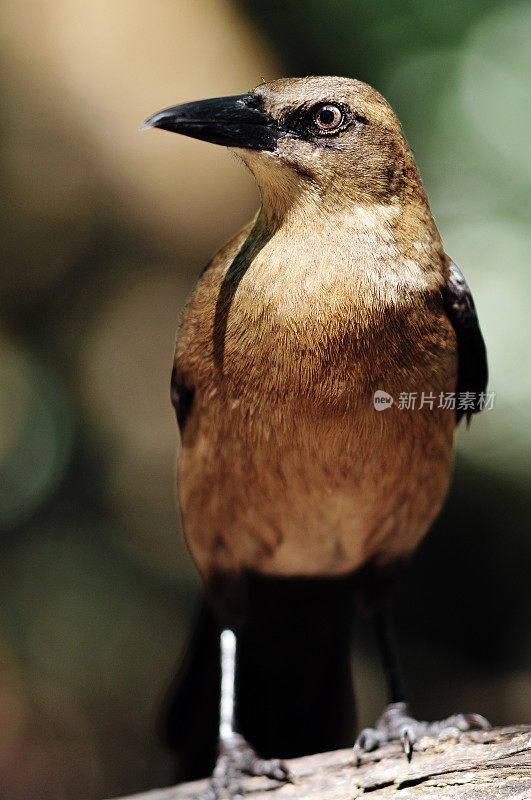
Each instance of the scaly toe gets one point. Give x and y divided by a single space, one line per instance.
396 724
237 759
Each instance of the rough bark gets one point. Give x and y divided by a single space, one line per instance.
491 765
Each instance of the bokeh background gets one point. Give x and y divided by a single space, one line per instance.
104 230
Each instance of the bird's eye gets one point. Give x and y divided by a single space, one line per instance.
328 118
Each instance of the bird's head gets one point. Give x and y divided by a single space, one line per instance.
333 138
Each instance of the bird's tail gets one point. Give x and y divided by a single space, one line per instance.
294 683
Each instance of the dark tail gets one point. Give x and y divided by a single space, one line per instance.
294 683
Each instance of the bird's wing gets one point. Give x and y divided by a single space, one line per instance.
182 385
472 371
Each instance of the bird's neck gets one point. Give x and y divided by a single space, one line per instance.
383 244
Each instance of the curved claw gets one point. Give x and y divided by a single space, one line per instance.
274 769
407 743
359 747
477 721
283 773
368 739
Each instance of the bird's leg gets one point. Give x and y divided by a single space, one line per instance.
236 757
396 722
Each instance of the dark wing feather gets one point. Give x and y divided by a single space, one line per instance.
472 373
182 398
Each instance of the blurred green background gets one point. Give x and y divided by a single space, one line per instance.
104 231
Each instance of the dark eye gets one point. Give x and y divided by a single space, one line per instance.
328 118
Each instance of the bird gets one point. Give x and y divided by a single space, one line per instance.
299 487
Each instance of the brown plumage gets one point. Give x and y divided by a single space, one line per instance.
338 288
333 292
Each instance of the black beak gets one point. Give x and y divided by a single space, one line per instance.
232 121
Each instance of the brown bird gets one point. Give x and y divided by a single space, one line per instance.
338 289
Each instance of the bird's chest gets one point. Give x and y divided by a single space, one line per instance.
284 437
326 339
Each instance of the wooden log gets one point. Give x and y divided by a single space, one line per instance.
491 765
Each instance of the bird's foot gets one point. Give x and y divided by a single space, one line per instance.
235 760
396 725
